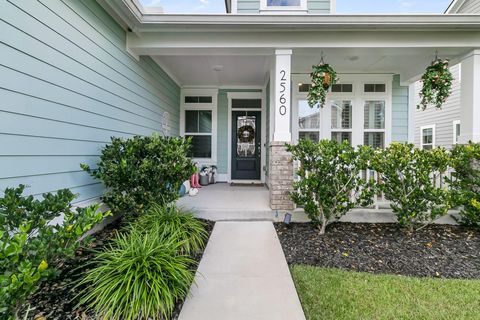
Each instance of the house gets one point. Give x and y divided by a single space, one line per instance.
75 73
441 128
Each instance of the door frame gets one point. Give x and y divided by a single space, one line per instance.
247 95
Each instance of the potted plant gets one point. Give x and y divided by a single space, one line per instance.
437 84
323 77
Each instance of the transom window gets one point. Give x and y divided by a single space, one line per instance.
427 136
374 124
198 126
283 3
374 87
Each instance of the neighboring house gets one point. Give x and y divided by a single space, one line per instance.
441 128
74 73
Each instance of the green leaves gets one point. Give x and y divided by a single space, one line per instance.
323 77
411 180
465 182
30 243
142 170
146 269
437 84
330 183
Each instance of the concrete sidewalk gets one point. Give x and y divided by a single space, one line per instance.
243 275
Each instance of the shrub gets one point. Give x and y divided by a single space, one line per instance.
142 170
139 276
177 223
31 243
329 182
465 182
408 178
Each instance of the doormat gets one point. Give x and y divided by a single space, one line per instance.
253 184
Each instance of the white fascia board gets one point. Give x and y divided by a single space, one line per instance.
454 6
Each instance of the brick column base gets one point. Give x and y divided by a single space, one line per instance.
280 177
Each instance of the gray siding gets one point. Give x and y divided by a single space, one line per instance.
442 119
399 111
66 86
253 6
470 6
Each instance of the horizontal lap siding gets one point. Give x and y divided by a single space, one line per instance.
470 6
248 6
318 6
66 86
399 111
442 119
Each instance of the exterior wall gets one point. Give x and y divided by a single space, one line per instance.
470 6
222 128
399 111
442 119
66 86
253 6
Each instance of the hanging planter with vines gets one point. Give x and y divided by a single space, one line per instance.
323 77
437 84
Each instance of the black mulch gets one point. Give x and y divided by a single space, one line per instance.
435 251
56 299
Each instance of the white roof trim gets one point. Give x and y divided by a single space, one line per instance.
454 6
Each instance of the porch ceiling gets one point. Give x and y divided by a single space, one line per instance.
250 67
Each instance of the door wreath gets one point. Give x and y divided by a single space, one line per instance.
246 134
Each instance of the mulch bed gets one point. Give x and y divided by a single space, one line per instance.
56 299
434 251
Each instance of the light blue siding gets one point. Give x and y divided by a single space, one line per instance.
67 85
222 128
253 6
400 111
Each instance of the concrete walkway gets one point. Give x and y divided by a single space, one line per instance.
243 276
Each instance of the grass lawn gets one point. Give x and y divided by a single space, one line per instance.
336 294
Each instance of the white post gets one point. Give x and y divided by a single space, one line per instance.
282 98
470 98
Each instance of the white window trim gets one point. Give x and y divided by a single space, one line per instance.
201 106
432 126
247 95
357 97
285 9
454 127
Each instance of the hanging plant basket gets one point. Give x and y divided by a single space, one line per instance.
323 77
437 84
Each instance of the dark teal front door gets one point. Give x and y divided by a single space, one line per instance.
246 145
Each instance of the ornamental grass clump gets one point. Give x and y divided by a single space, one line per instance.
141 275
465 182
330 183
411 181
175 222
141 171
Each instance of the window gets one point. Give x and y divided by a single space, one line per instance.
283 3
456 131
198 99
308 121
427 136
374 124
374 87
342 87
341 120
198 126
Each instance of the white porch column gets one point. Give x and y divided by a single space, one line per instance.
470 98
282 98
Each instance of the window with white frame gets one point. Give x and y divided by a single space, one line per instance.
198 126
427 137
283 5
456 131
308 121
341 120
374 124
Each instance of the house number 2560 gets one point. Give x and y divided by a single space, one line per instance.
283 89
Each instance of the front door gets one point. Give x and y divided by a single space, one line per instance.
246 145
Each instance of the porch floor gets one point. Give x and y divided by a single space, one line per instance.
222 201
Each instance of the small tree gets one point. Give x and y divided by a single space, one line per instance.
465 182
31 243
142 170
410 180
329 182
